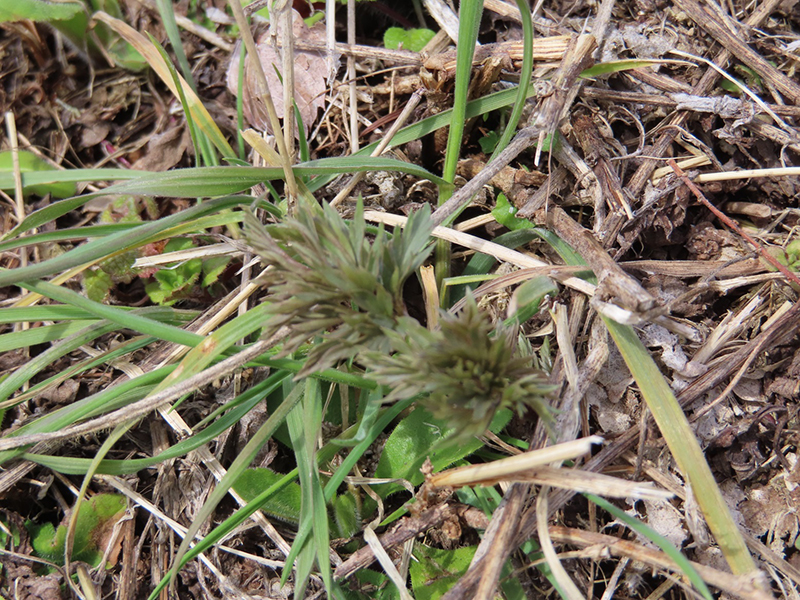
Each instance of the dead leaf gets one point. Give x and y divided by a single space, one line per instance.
310 72
772 510
63 393
94 131
164 150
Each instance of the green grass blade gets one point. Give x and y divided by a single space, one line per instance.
124 240
524 78
98 231
178 48
121 318
244 404
345 468
25 373
79 367
304 424
205 182
234 471
165 9
66 235
101 402
38 335
62 312
617 66
469 19
30 178
683 444
215 345
659 540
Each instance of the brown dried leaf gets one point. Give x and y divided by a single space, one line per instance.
165 150
310 71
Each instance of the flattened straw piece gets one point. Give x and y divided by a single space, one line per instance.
568 588
513 465
388 566
444 16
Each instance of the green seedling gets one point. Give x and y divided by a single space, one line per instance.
418 437
789 256
372 586
407 39
93 531
178 282
29 162
434 571
489 142
284 505
751 79
505 213
117 268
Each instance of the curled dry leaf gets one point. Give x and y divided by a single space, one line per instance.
310 71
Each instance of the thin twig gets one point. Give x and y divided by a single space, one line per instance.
265 96
640 178
351 76
732 224
384 143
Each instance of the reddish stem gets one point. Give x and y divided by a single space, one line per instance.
732 224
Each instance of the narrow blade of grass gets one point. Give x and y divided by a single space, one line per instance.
199 112
524 78
104 247
77 466
683 444
234 471
469 19
304 424
659 540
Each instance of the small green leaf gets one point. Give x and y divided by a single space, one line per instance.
373 586
284 505
43 540
729 86
124 209
419 436
528 297
489 142
435 571
346 516
172 283
97 517
617 66
504 212
96 284
407 39
39 10
120 265
212 268
29 162
793 251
